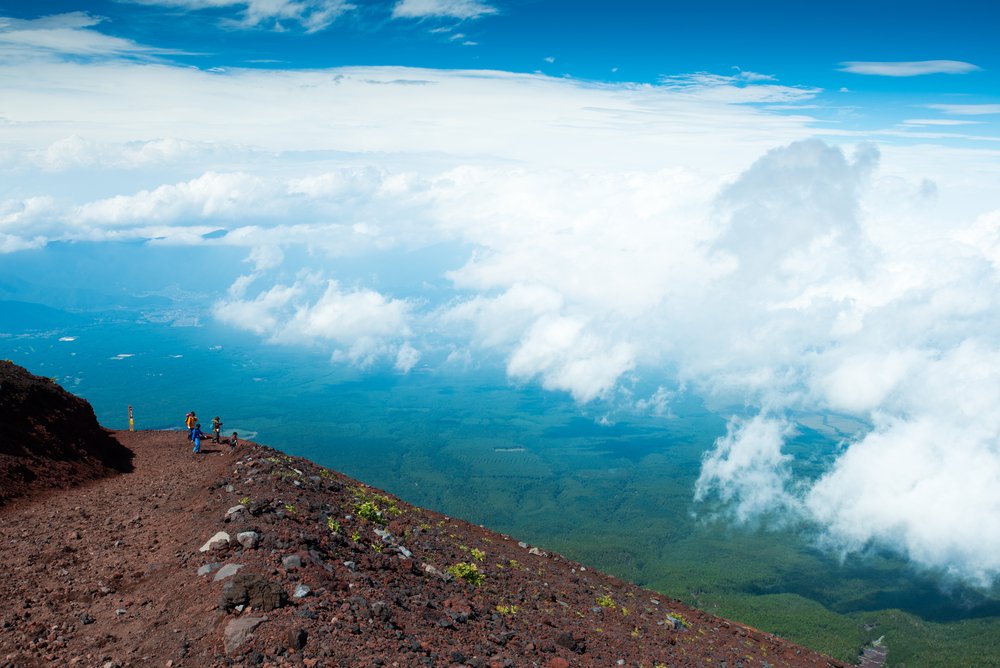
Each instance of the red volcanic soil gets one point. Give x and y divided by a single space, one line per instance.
49 437
317 570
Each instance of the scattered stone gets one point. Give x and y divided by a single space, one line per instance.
248 539
292 561
230 489
301 591
295 638
208 568
87 618
227 571
351 566
215 542
431 570
238 630
239 508
538 552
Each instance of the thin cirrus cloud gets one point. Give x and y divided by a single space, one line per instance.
966 109
911 68
455 9
65 35
312 15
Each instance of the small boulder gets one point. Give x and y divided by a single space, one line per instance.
253 590
227 571
208 568
238 630
248 539
292 561
220 539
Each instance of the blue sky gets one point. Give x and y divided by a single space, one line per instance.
640 42
790 209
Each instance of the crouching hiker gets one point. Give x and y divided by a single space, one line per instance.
234 440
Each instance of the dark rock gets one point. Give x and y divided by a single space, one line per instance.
253 590
295 638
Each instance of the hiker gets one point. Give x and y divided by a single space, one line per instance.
196 436
191 421
233 442
217 428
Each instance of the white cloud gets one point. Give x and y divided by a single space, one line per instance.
909 68
967 109
569 358
362 324
406 357
581 234
747 466
938 121
66 34
211 196
456 9
313 15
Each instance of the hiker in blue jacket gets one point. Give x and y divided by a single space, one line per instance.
196 436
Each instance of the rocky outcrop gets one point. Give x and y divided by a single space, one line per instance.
50 438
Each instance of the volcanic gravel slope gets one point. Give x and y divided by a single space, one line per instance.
49 437
329 572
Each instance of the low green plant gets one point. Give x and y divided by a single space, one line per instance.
477 554
356 537
606 601
369 511
290 509
468 572
677 618
374 507
507 610
333 525
246 500
378 546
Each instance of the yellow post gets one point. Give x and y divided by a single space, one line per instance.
131 422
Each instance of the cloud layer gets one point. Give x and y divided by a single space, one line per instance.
585 236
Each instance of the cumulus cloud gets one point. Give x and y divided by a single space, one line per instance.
313 15
747 467
581 235
406 357
363 325
891 339
211 195
909 68
569 358
456 9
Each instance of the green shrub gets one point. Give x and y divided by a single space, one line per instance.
468 572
